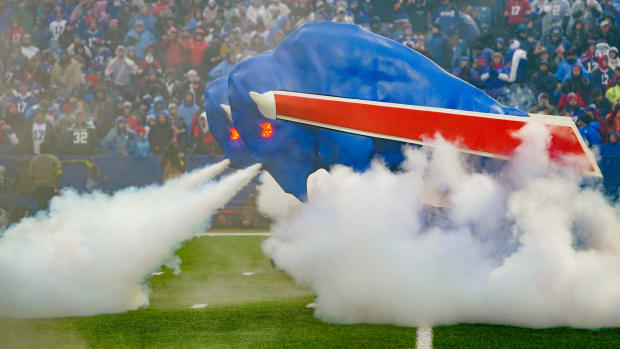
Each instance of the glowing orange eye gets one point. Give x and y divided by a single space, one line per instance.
234 134
267 130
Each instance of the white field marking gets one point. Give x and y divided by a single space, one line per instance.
157 273
424 338
199 235
248 273
312 305
198 306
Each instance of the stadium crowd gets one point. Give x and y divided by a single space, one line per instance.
126 77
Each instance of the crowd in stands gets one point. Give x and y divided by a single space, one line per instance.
126 77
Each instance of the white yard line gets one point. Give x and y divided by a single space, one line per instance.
231 234
424 338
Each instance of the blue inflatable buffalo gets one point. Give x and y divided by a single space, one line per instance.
338 60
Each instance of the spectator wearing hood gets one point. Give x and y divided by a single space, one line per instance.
197 47
159 106
612 146
149 22
465 72
565 68
609 32
140 39
187 109
601 75
224 67
613 92
120 140
543 106
160 134
543 81
175 50
603 107
572 106
66 74
589 129
440 48
577 83
496 77
578 35
202 140
143 148
120 70
614 61
586 11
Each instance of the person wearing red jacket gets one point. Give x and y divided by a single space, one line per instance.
176 51
15 34
516 12
197 46
148 65
202 140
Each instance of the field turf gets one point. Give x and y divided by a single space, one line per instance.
264 310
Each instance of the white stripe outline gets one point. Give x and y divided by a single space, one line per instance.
539 118
424 338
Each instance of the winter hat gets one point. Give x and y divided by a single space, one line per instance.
172 106
571 95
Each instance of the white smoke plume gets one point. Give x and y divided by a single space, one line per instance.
527 246
93 253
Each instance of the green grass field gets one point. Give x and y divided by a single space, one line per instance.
264 310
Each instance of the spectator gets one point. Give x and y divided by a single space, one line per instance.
202 140
612 147
601 75
440 48
614 61
81 137
589 129
143 147
586 11
555 13
41 134
516 12
447 18
613 92
119 140
543 106
160 134
573 108
577 83
466 72
197 47
140 39
543 81
175 50
45 171
120 70
609 33
496 77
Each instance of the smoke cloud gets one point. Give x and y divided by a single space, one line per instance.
93 253
526 246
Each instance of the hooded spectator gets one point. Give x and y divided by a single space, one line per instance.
614 61
120 140
612 146
160 134
589 129
66 74
543 81
496 76
613 92
543 106
577 83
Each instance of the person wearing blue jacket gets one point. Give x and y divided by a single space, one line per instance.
187 109
120 140
440 48
141 39
589 129
612 147
565 67
496 77
224 67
